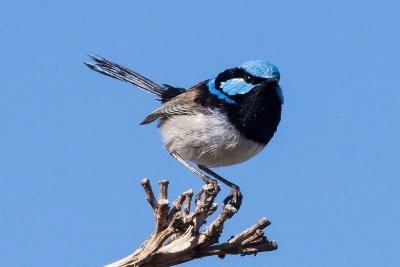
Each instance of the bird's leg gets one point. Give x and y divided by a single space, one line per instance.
235 196
218 177
203 177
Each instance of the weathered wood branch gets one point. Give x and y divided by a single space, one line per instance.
177 237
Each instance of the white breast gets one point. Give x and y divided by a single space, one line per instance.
207 140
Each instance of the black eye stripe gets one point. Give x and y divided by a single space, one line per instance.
237 73
253 80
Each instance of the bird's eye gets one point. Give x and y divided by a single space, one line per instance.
248 79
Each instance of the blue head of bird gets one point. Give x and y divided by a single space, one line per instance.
244 78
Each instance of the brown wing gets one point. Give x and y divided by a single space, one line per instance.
182 104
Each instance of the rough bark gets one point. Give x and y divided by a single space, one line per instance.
177 237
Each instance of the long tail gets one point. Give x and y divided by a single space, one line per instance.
116 71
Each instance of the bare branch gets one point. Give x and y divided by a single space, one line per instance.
177 237
163 189
149 193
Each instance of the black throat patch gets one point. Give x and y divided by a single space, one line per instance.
257 113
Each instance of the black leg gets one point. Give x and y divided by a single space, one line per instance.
203 177
235 197
218 177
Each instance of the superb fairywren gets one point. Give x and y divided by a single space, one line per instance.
218 122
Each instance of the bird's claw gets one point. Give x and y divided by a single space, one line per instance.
235 197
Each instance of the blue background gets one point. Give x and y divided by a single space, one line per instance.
72 153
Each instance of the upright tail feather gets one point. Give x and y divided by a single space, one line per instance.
121 73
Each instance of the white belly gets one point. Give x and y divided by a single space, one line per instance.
207 140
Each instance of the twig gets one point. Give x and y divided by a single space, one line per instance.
177 237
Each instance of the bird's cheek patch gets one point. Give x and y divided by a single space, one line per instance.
236 86
218 93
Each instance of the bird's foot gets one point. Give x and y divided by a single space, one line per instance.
235 197
209 180
211 186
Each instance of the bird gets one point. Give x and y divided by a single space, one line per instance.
218 122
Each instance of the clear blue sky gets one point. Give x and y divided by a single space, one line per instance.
72 152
